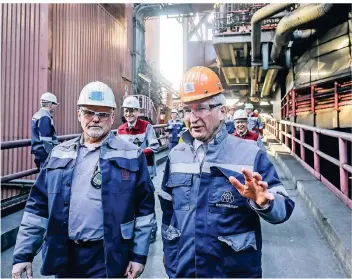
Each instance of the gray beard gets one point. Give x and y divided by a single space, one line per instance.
95 132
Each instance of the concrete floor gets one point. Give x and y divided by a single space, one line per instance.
295 249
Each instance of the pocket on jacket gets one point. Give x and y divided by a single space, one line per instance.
181 184
127 230
239 242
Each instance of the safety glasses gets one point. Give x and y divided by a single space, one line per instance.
201 110
89 114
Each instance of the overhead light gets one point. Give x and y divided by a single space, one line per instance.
239 104
144 77
271 102
264 103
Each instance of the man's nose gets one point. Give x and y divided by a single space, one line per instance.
193 118
95 118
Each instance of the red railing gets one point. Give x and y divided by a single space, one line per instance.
27 142
280 129
312 98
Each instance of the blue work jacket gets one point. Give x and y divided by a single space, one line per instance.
127 201
208 229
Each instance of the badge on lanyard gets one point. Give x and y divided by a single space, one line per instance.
97 178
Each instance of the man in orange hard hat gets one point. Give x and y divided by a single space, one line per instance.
214 191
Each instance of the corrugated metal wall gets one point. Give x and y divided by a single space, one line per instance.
58 48
88 44
22 77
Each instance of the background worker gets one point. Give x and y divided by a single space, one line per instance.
92 205
174 128
241 124
142 134
230 127
43 137
254 122
211 206
186 122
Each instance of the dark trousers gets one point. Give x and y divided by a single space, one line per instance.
85 261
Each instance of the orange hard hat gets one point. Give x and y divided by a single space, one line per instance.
199 83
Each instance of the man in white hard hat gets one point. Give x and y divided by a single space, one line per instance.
240 119
43 137
254 123
142 134
229 119
92 206
175 128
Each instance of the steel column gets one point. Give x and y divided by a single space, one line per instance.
316 156
301 135
343 172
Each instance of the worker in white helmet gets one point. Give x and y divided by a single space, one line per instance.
142 134
92 206
254 123
175 128
241 129
43 137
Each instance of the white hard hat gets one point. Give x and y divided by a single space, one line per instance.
131 102
49 97
248 106
240 114
174 111
97 94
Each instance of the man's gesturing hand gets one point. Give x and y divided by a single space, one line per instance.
254 188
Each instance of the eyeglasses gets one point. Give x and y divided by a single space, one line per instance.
89 114
201 110
130 110
239 122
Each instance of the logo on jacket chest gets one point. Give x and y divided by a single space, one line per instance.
125 174
227 197
227 200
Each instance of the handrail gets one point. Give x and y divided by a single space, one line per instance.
27 142
274 127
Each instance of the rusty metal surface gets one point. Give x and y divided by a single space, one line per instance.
58 48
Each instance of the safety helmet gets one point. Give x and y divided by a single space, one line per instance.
131 102
49 97
174 111
199 83
97 94
256 111
249 106
240 114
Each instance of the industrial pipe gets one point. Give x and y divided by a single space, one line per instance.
256 23
294 20
303 34
268 82
136 22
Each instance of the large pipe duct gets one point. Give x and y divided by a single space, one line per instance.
256 22
269 81
139 38
303 34
293 21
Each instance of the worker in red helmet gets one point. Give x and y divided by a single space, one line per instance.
240 119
